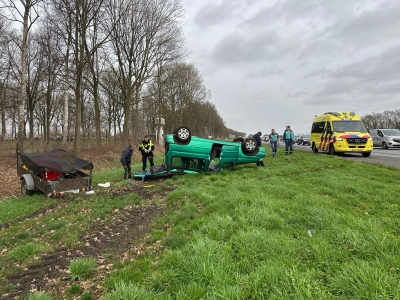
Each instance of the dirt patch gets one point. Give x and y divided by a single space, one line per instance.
121 239
10 186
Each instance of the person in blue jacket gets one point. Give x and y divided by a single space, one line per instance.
289 138
126 159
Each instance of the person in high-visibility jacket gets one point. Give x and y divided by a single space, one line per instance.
146 147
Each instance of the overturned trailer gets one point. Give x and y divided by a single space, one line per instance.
54 173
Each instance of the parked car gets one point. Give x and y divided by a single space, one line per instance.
385 138
187 154
304 140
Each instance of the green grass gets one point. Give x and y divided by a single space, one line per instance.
25 251
39 296
19 207
82 268
306 226
245 234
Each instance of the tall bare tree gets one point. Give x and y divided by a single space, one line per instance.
96 39
60 13
148 33
4 74
49 44
79 18
26 13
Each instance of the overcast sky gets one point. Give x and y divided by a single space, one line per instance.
274 63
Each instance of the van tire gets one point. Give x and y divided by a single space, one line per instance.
182 134
249 145
385 146
314 149
332 150
366 154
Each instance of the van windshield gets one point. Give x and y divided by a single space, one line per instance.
348 126
391 132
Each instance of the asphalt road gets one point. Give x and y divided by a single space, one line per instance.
379 156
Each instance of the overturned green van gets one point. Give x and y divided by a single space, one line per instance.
187 154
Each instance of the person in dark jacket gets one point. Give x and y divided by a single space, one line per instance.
257 137
126 158
146 147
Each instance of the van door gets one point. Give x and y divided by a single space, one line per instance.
229 155
374 134
316 134
380 138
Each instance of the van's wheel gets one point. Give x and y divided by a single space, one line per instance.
314 149
366 154
24 189
182 134
384 145
250 145
332 150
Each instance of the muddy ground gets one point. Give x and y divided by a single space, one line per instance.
123 239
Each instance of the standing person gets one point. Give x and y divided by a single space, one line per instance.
257 137
289 138
126 158
274 140
146 147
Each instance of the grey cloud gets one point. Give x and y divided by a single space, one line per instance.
332 100
337 86
378 75
378 68
389 88
247 47
316 55
298 94
318 73
302 64
212 14
368 26
264 73
289 11
332 28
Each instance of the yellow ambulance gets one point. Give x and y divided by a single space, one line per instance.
340 132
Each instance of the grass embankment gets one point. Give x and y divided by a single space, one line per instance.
303 227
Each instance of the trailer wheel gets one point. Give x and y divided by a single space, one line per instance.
24 189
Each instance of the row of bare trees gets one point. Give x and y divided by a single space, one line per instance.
386 119
102 69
